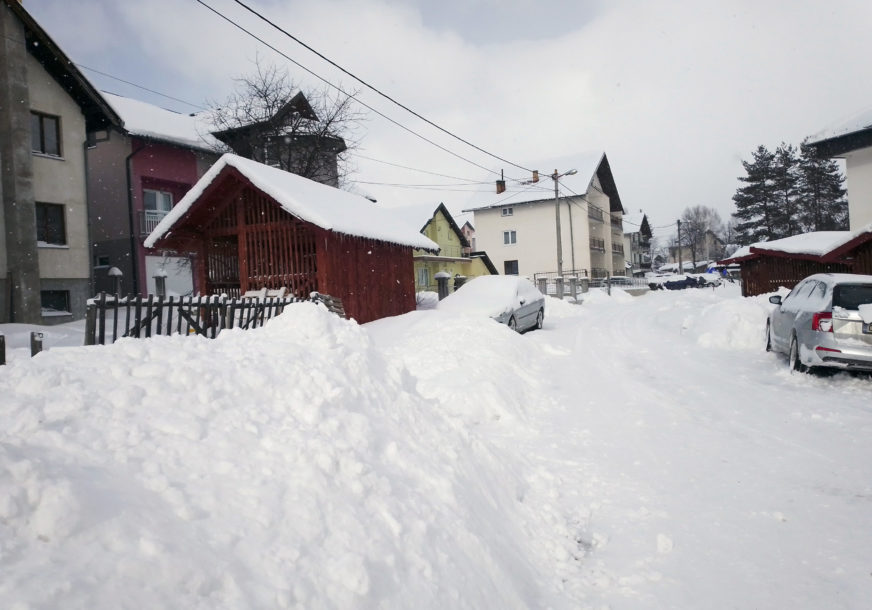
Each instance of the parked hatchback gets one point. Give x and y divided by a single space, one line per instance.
508 299
825 321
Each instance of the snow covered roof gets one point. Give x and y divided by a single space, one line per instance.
816 244
586 166
633 222
324 206
150 121
858 122
419 215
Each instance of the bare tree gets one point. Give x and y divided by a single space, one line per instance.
701 229
269 119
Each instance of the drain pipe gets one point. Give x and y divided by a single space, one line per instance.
134 251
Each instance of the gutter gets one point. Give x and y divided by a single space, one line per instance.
134 254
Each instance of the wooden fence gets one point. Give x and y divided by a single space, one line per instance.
109 318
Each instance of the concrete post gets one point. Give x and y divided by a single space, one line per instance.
559 287
542 285
116 275
442 284
585 285
573 287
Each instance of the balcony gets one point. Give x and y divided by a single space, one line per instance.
594 213
148 221
618 248
597 244
616 222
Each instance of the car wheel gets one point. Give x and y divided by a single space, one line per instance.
793 357
540 317
513 324
768 336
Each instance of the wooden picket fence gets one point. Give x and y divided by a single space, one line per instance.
109 318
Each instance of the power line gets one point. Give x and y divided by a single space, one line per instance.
384 95
415 169
324 80
140 86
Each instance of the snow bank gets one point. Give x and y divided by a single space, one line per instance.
289 466
731 324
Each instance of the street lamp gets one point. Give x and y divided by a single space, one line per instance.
555 176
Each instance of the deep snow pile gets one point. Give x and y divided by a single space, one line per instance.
638 452
291 466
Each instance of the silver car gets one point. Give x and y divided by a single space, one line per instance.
508 299
825 322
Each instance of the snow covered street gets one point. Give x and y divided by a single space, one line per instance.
638 452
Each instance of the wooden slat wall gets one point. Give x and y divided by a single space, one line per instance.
374 279
768 273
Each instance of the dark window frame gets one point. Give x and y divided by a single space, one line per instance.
61 305
508 266
41 147
44 231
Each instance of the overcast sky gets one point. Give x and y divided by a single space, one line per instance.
675 93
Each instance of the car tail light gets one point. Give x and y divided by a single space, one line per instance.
822 322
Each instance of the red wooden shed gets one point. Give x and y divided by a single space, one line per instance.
784 262
252 226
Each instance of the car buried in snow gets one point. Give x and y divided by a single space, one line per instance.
825 322
508 299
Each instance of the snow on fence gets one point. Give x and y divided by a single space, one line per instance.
109 318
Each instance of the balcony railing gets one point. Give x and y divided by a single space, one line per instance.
594 213
597 244
618 248
616 222
148 221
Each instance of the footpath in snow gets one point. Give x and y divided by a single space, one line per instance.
636 452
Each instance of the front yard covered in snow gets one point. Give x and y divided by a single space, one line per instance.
638 452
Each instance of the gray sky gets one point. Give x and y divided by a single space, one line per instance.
676 93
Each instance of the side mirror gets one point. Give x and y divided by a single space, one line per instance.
776 300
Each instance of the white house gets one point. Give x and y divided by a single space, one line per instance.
637 243
521 236
852 141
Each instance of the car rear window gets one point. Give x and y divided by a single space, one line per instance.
851 296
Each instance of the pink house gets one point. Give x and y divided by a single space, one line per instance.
136 174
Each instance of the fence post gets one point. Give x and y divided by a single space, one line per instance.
559 286
90 323
573 287
543 284
2 350
35 343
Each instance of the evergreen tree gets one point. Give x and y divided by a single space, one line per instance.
786 190
822 204
757 215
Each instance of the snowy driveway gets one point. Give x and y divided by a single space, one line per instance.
635 453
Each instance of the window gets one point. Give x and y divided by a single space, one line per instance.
510 267
55 302
157 201
510 237
50 225
423 276
45 137
508 211
101 260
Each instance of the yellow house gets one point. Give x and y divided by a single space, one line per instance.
454 256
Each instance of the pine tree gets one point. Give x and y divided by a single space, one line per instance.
786 190
757 215
822 203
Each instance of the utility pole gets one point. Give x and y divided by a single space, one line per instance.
680 264
555 176
557 222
